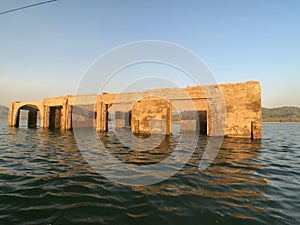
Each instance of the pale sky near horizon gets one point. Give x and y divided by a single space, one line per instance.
45 50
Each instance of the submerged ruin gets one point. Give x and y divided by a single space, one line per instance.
232 110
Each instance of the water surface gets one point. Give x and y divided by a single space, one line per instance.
45 180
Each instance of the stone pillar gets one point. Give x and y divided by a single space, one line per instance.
256 130
216 119
64 115
101 118
69 118
41 109
16 120
135 120
169 118
32 119
46 117
209 119
11 113
97 115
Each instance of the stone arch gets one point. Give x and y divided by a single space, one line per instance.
33 110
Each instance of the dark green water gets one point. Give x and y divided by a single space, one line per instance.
45 180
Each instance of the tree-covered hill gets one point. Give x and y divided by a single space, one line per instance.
3 112
281 114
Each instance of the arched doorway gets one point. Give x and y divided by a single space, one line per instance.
31 116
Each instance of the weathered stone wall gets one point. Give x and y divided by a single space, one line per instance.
241 115
243 109
151 116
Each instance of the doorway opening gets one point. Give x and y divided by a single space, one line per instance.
202 122
110 118
175 121
28 115
128 119
55 117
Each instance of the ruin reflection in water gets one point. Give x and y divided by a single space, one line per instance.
230 182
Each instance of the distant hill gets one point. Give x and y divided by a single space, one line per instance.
281 114
3 112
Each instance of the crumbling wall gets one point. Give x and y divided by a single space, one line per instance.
243 109
151 116
234 107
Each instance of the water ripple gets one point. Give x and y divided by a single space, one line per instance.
45 180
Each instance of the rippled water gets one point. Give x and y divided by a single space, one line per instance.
45 180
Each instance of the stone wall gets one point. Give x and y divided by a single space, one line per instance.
151 116
230 109
243 109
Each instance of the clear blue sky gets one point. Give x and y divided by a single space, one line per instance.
45 50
